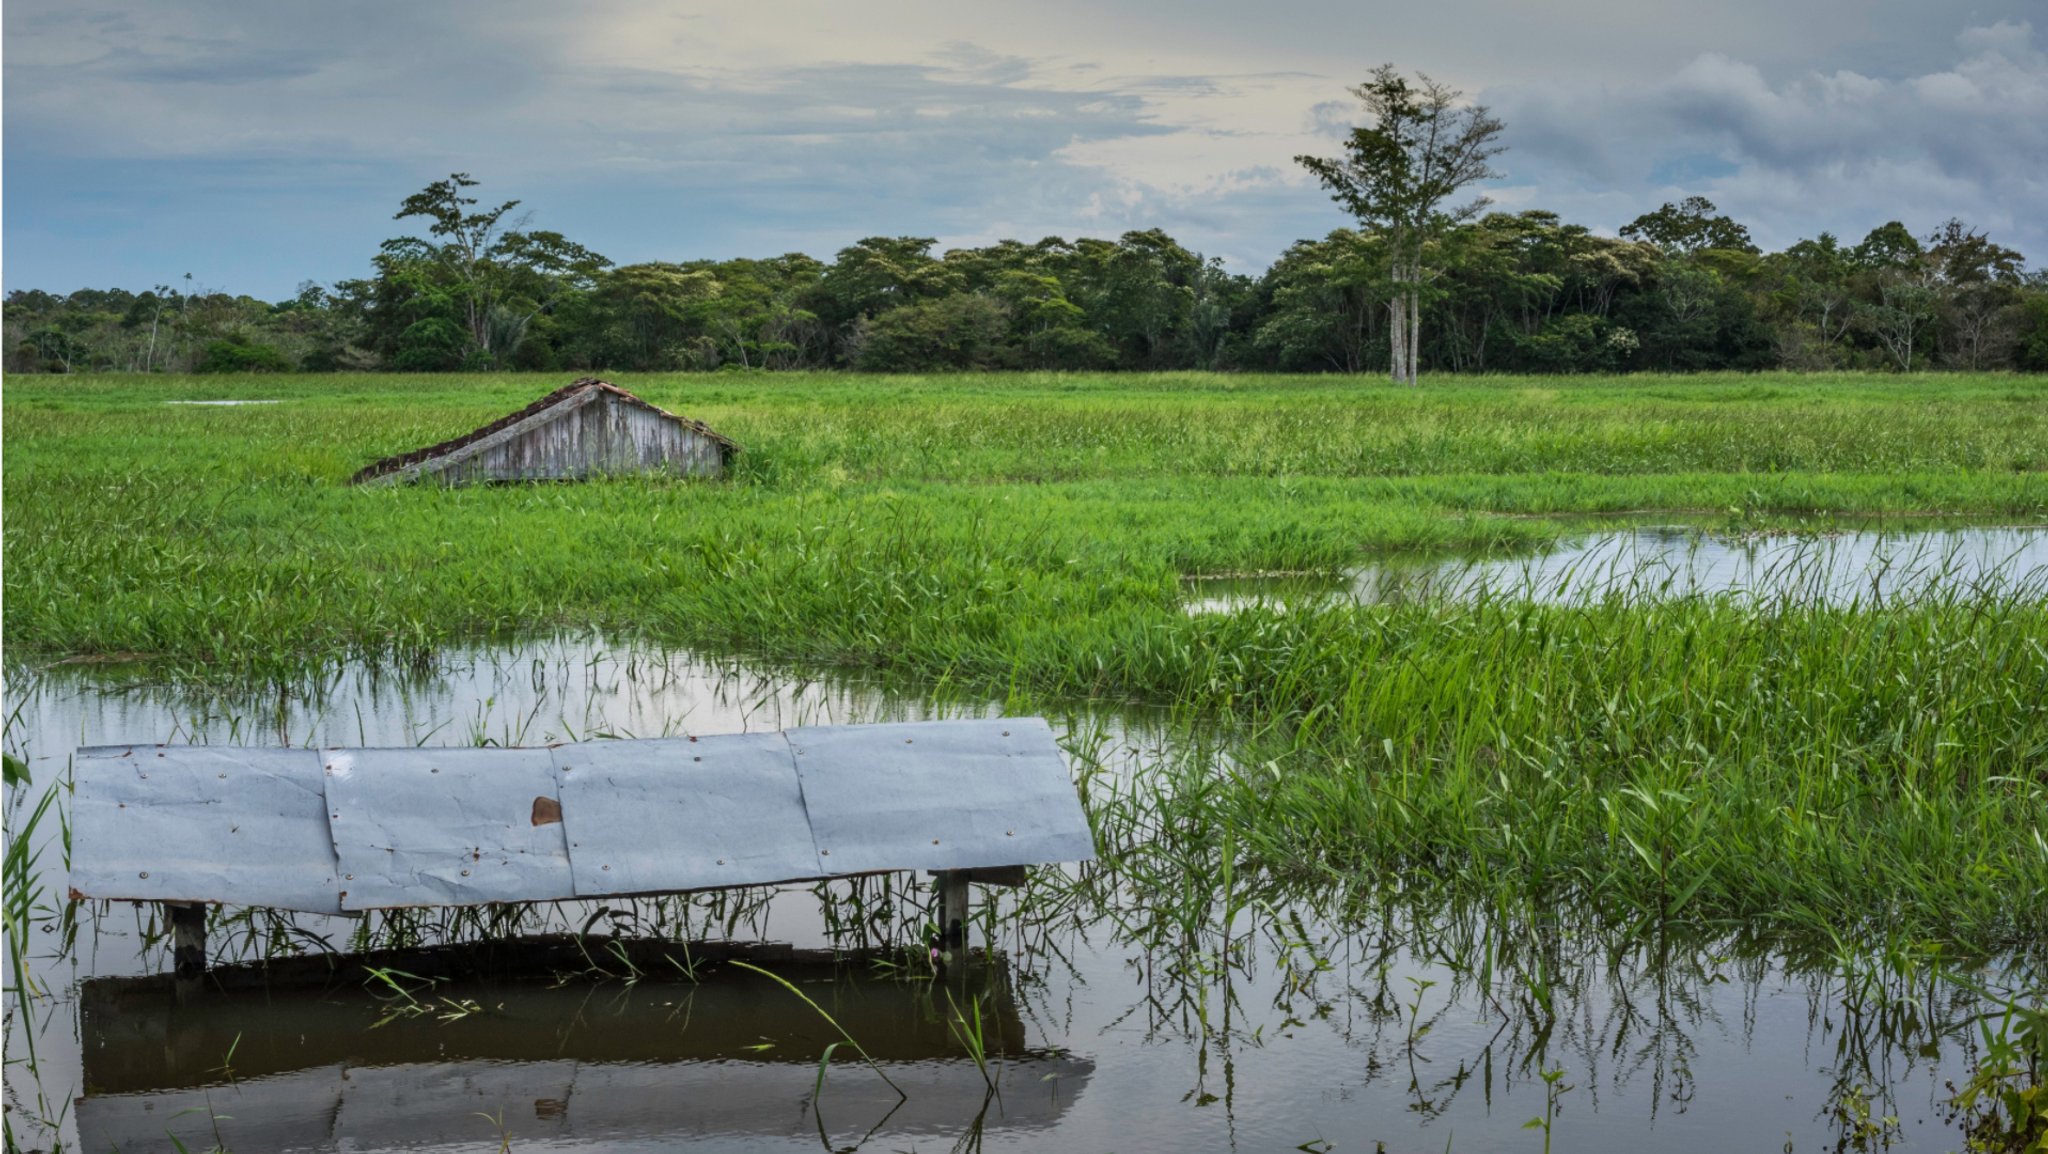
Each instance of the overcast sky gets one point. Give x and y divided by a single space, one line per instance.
256 145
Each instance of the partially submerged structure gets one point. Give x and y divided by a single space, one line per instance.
585 429
344 831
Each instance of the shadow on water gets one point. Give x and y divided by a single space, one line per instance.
1841 568
1180 1011
560 1062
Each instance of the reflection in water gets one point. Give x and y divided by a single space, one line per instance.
559 689
730 1054
1840 569
1197 1020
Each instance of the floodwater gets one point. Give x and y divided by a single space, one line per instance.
1855 566
1104 1023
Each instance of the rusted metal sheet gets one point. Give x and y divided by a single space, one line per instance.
678 814
199 823
939 795
445 827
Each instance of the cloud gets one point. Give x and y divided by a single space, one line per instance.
645 134
1824 150
1332 118
256 144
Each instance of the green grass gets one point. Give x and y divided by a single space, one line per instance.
1871 771
1874 776
226 535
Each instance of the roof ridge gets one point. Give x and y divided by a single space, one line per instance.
393 464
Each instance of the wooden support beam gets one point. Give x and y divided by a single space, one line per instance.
955 898
188 937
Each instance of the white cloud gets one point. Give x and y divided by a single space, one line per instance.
1835 150
149 138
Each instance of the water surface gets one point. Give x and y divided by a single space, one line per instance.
1113 1024
1863 566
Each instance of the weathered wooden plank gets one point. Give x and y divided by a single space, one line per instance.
592 428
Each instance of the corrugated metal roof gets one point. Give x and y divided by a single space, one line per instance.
446 827
356 829
194 822
952 795
684 814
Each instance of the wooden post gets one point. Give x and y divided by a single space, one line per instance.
954 898
188 937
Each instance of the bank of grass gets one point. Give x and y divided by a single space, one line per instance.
1869 771
226 535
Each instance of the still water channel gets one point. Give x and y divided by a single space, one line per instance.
1284 1028
1859 566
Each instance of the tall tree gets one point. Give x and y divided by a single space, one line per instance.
1324 295
1692 225
1976 282
498 278
1815 292
1902 283
884 272
1418 148
646 312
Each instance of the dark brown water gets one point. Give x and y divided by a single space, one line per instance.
1107 1024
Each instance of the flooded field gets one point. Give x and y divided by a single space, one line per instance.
1108 1012
1865 566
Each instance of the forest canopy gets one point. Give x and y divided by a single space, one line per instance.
1680 288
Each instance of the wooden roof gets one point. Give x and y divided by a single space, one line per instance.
559 398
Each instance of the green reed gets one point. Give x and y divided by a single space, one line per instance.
29 906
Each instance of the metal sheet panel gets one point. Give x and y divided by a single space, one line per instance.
939 795
683 814
349 830
446 827
245 827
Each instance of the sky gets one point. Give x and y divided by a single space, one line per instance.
256 146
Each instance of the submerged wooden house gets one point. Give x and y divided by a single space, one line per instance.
585 429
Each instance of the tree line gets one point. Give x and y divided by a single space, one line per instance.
1420 283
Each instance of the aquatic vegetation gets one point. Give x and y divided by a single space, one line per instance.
28 906
1236 959
1785 767
2002 1104
825 1059
1514 806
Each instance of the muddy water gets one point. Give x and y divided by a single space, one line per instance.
1103 1027
1858 566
